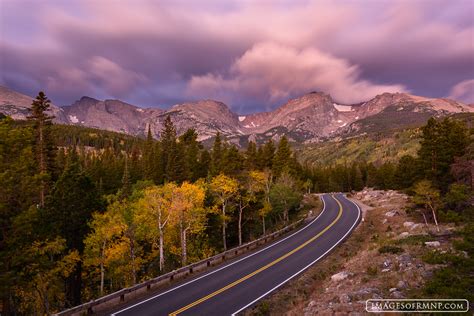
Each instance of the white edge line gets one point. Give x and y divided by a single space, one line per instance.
306 267
226 266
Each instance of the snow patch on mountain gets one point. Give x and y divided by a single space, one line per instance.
343 108
73 119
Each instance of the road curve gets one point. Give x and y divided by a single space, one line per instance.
239 284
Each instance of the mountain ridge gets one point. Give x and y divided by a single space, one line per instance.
309 118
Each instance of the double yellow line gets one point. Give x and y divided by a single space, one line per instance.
248 276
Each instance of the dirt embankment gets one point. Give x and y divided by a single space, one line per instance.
381 259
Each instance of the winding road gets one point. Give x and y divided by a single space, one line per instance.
239 284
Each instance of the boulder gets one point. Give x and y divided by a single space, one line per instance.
392 213
344 299
408 224
403 235
397 294
405 258
387 263
365 293
339 276
435 244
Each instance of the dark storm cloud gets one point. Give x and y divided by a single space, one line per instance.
253 55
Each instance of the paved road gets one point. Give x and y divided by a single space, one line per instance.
229 289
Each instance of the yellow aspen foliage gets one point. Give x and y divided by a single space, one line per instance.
224 188
188 213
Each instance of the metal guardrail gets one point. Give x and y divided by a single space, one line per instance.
119 297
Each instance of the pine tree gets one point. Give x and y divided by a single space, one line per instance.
44 148
73 199
149 157
203 164
266 154
216 156
282 158
126 185
168 148
176 169
441 142
251 158
191 154
232 161
407 172
172 153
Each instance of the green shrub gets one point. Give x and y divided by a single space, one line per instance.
372 271
450 217
413 240
390 249
436 257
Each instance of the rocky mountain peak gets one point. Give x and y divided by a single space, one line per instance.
85 98
16 105
308 118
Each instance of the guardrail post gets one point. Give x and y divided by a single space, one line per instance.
208 263
122 297
90 311
191 270
148 287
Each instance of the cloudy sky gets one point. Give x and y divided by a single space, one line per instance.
253 55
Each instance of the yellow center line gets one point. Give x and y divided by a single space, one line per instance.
248 276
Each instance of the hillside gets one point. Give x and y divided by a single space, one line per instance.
370 148
376 139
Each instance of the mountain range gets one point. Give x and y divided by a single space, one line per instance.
310 118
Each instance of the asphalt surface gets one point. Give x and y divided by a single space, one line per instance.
237 285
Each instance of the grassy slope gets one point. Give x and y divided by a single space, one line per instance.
378 140
372 148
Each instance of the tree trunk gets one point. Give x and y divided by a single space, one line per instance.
434 217
240 223
132 257
224 241
426 221
160 231
184 249
102 270
184 255
42 163
162 255
263 225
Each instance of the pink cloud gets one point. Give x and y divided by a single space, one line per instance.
272 72
115 79
463 91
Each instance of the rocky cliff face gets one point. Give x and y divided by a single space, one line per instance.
206 117
309 118
16 105
113 115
